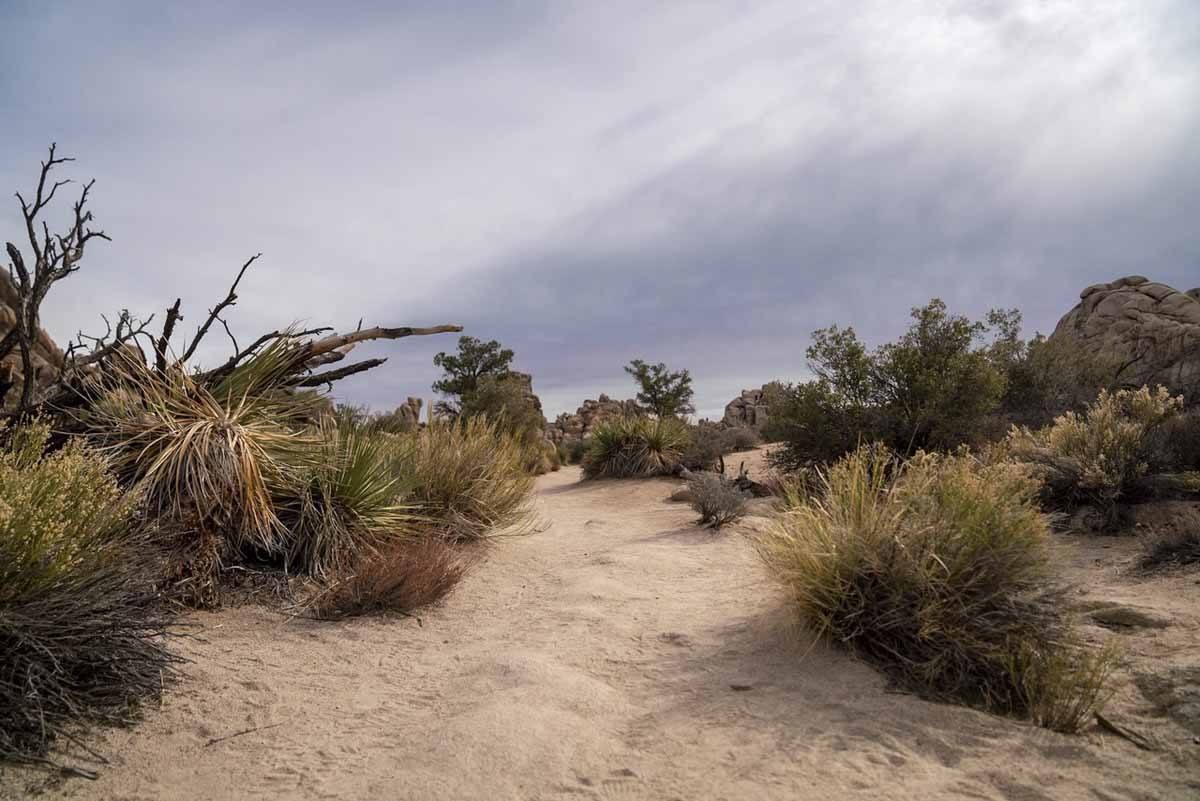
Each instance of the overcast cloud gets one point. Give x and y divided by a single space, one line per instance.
702 184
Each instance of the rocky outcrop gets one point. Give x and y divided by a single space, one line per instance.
748 410
1149 330
567 428
47 357
409 412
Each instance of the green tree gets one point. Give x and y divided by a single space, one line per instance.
463 370
663 392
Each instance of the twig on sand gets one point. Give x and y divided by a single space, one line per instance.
1140 740
216 740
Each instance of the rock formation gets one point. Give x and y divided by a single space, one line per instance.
572 427
1149 330
47 356
409 412
748 410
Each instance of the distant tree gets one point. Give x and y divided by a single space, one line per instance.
462 371
663 392
506 401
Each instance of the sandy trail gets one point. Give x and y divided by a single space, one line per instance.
621 653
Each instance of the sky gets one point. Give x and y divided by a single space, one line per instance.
702 184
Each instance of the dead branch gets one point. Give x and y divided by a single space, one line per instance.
164 339
214 313
337 341
329 376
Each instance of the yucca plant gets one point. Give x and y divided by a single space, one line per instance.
80 620
937 571
205 463
345 502
467 478
635 447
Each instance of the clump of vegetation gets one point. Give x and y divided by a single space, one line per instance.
572 452
635 447
463 371
710 442
1099 456
948 381
934 570
717 499
1178 550
81 623
466 479
206 461
662 392
344 501
401 578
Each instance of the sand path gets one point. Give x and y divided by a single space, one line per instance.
620 653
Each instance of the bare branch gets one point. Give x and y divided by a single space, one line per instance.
215 312
329 376
337 341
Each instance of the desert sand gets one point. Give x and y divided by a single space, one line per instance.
618 653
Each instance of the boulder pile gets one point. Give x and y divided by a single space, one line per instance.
1149 329
748 410
47 357
568 428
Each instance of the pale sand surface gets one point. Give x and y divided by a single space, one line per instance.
621 653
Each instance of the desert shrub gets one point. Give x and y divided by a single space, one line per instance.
344 500
635 447
716 499
1097 456
363 419
935 571
1175 550
1175 445
80 620
1049 377
935 388
400 578
572 451
708 443
468 479
205 462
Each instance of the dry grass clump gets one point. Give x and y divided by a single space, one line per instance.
635 447
80 621
468 479
1097 456
401 578
716 499
936 571
1179 550
345 501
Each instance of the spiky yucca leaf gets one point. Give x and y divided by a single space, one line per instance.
630 447
346 502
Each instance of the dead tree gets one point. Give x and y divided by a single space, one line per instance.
54 256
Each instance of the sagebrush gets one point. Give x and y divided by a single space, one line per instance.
717 499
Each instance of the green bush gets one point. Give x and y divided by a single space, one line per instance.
467 479
935 570
635 447
1097 456
80 619
935 388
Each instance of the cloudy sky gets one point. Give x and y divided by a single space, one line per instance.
696 183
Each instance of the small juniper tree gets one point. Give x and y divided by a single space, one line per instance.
663 392
462 371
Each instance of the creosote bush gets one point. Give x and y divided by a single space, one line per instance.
399 578
935 570
635 447
717 500
709 443
81 623
468 480
1097 456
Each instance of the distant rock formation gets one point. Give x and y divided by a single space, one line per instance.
567 428
409 412
1148 328
748 410
47 357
